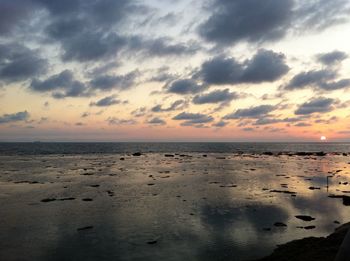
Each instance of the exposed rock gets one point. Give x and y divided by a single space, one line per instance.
346 199
279 224
314 188
305 218
283 191
311 248
85 228
48 200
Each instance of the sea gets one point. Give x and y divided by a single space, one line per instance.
44 148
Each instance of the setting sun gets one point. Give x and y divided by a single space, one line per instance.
323 138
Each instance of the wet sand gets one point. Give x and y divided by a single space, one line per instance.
167 207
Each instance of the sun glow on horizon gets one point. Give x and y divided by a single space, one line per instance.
323 138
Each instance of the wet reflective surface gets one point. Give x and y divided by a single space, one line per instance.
190 207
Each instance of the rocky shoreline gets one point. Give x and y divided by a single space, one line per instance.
311 248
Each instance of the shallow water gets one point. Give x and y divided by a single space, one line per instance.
152 207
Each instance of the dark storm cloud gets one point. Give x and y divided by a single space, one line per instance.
108 82
18 63
250 20
176 105
19 116
332 57
107 101
265 66
156 121
62 85
259 21
193 118
252 112
185 86
217 96
316 105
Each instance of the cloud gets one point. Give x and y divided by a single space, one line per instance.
322 79
109 82
160 47
13 14
249 20
156 121
117 121
19 116
221 70
19 63
252 112
217 96
107 101
266 120
319 15
264 66
332 57
176 105
220 124
258 21
310 78
86 30
335 85
302 124
62 85
91 46
193 119
315 105
139 112
185 86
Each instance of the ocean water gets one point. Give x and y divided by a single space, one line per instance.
42 148
95 201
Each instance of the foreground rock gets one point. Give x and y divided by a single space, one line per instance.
311 248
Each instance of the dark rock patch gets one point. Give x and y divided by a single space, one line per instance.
48 200
85 228
305 218
279 224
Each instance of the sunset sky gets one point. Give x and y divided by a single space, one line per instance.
185 70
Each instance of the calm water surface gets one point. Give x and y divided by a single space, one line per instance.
219 207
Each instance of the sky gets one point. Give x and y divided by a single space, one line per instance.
166 70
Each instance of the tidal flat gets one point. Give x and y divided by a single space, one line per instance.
156 206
